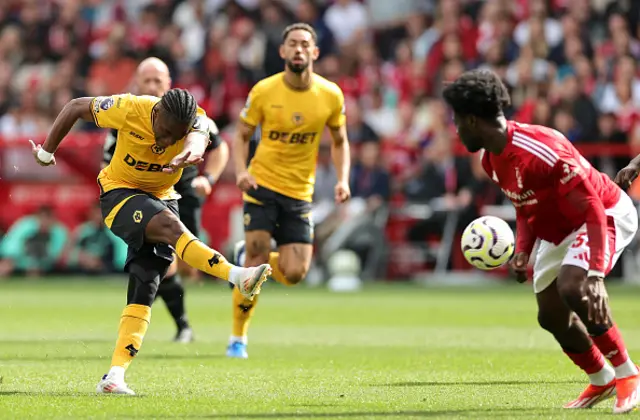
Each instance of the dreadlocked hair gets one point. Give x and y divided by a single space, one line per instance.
181 104
477 92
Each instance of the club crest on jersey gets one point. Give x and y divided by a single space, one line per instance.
157 150
137 216
297 118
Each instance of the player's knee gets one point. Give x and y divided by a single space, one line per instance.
164 227
552 323
294 274
569 284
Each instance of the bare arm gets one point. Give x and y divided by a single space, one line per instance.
79 108
340 153
195 144
240 152
217 161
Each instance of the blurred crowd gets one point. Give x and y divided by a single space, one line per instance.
570 64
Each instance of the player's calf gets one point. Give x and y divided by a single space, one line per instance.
605 335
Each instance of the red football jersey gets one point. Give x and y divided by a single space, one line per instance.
554 189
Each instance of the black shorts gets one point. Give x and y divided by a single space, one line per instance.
190 213
126 212
287 219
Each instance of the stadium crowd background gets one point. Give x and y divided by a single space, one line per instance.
571 64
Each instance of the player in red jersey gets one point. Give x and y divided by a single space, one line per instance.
582 219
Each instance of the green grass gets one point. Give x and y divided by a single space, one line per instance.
390 351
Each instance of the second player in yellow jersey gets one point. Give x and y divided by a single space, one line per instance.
291 121
291 109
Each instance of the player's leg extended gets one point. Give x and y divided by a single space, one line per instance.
172 292
165 227
257 248
606 337
569 331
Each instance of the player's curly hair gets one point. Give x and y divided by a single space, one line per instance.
477 92
299 26
181 104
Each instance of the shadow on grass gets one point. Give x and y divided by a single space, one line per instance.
52 394
477 383
77 357
493 412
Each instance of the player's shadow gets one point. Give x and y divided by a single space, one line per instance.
88 357
494 412
47 394
477 383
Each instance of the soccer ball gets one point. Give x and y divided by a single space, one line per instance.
488 242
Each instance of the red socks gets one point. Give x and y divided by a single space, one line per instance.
591 361
612 346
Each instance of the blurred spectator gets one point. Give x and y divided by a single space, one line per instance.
95 248
446 183
368 179
33 245
347 20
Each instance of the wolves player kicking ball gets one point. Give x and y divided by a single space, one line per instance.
488 242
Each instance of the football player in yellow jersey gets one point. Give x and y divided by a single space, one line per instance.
157 137
153 78
292 109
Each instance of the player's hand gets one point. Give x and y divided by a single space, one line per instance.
182 160
597 298
35 148
201 186
343 192
626 176
245 181
519 266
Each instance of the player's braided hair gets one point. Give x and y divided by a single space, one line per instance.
299 26
477 92
181 104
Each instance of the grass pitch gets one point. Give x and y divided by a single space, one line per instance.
390 351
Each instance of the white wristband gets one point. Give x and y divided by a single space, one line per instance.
594 273
44 156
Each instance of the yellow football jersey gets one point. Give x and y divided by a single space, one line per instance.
291 123
137 162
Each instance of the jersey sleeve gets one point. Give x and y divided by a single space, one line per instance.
579 196
338 116
200 124
111 111
252 113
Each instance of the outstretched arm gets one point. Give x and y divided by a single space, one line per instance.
79 108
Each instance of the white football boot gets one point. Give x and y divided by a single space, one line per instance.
109 384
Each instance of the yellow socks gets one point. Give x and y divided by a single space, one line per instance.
192 251
276 273
243 310
133 326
